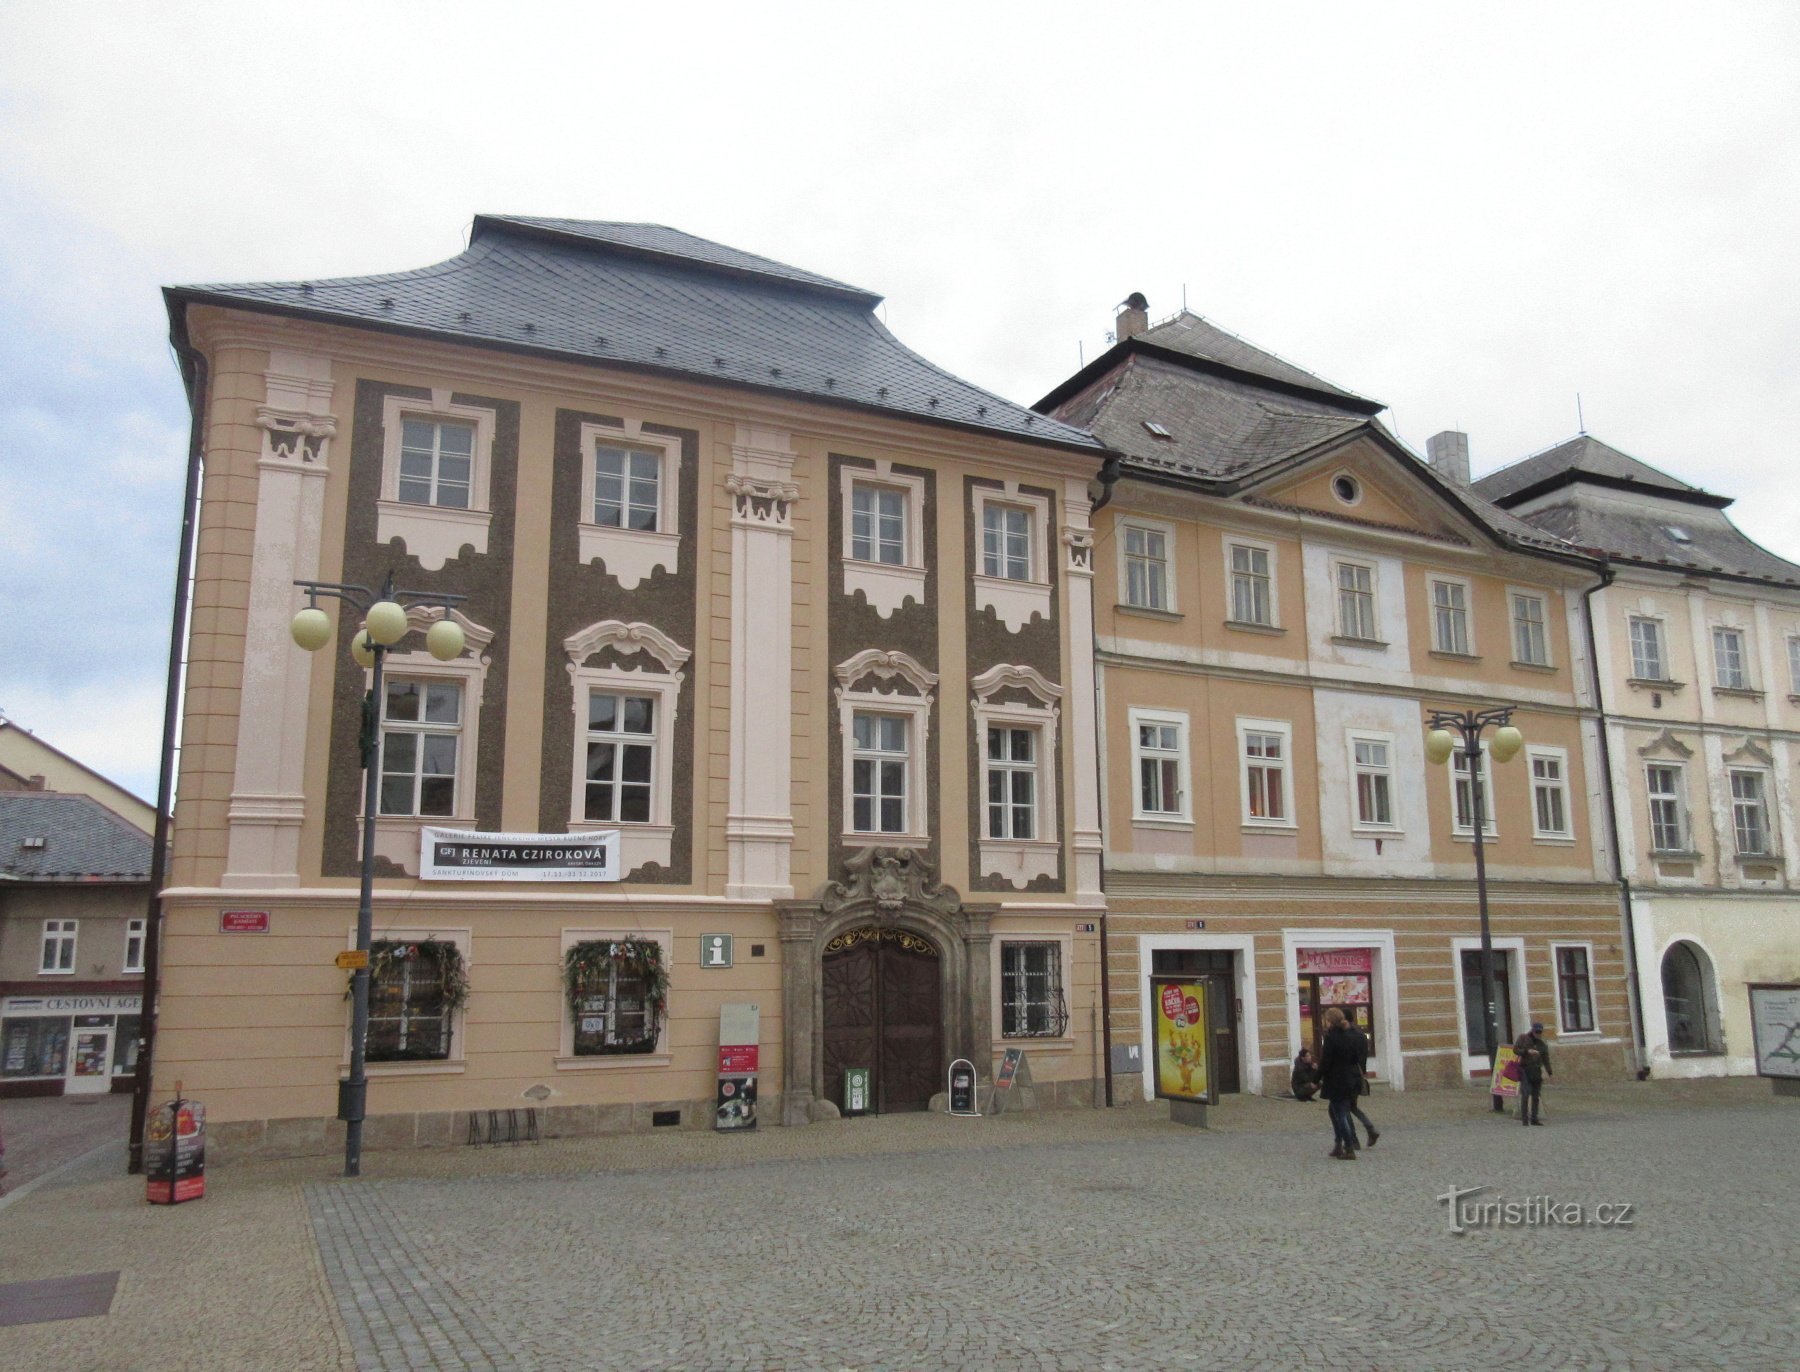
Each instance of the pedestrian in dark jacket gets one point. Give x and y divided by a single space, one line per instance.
1340 1073
1362 1087
1304 1082
1534 1066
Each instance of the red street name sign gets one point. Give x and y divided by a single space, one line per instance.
243 921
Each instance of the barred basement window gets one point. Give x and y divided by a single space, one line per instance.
616 990
414 991
1031 993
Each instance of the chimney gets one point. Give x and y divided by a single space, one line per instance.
1133 317
1448 453
36 783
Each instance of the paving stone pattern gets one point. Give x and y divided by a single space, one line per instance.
1151 1247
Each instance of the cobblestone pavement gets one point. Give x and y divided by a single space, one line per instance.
44 1132
1078 1240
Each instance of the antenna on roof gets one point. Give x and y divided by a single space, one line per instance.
1184 297
1580 423
1080 355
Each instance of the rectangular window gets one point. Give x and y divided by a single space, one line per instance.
1728 659
1251 599
1031 993
1530 642
616 1019
35 1046
1668 809
58 955
1647 663
1750 814
421 725
621 757
1356 600
1574 990
134 946
1464 818
1450 617
627 487
409 1019
1372 760
1549 794
878 766
1159 762
437 461
1146 568
1006 542
1265 776
878 524
1794 665
1012 782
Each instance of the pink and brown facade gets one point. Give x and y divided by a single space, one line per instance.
801 618
1283 594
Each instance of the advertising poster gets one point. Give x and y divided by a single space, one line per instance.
175 1153
736 1106
1179 1012
1775 1024
1506 1073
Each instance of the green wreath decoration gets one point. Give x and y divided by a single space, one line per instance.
445 958
588 967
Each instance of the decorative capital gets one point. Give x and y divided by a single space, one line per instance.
761 502
1080 543
294 436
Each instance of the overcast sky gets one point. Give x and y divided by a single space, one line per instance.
1469 212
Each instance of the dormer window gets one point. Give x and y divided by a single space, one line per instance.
1156 430
1679 534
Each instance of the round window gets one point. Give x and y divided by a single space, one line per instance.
1344 487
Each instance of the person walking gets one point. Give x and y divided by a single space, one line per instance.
1340 1074
1362 1086
1534 1066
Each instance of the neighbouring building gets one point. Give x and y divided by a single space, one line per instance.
804 619
1283 594
74 899
27 763
1698 648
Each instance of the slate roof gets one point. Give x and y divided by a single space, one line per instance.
654 299
84 841
1194 336
1604 500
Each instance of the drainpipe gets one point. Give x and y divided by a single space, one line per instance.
1634 996
193 373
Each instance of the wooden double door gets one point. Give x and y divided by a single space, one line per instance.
883 1010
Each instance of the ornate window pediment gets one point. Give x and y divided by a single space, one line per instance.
1750 752
1665 744
892 670
1008 676
635 637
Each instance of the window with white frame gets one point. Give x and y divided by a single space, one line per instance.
1159 746
1012 565
1264 746
1574 988
410 1002
1146 551
1356 600
1032 1004
1728 659
436 467
1463 793
1648 662
1012 774
1668 807
630 499
1793 646
1750 813
134 946
879 763
421 727
621 757
1006 551
57 957
627 487
1531 642
1372 769
1252 584
437 462
1549 792
1450 616
878 523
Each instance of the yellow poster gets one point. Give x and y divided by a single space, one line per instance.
1506 1072
1179 1008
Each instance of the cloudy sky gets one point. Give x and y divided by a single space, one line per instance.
1471 212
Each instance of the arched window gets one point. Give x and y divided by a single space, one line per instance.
1687 1000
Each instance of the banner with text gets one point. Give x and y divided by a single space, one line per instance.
457 855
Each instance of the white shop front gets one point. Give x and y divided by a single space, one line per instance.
71 1043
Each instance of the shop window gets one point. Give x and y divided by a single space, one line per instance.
1574 989
35 1047
125 1045
1343 978
1450 617
134 946
1648 661
1031 991
57 957
1531 643
1549 792
412 998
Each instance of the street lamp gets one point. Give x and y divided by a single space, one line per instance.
384 625
1445 725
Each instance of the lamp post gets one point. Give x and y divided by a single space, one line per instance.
384 625
1445 726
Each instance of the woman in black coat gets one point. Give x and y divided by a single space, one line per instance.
1340 1073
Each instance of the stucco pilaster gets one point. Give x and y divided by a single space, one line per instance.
798 931
1078 575
759 826
268 786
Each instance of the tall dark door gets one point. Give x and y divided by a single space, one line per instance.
883 1011
1218 969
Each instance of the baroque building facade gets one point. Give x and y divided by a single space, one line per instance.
800 617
